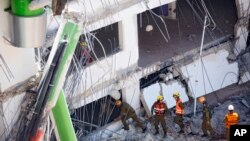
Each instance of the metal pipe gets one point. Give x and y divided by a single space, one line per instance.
72 32
63 121
202 40
57 100
43 94
203 34
29 31
28 26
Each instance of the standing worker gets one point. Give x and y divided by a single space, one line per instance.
231 118
128 112
160 110
179 111
206 119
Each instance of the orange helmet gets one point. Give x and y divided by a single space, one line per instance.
202 99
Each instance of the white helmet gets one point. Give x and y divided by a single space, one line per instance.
230 107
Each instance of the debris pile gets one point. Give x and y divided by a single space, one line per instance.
193 131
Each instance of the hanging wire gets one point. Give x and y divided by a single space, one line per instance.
76 63
165 26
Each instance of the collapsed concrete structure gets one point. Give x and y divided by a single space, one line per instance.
138 51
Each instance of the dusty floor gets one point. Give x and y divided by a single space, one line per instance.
185 32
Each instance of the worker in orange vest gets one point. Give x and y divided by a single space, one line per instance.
179 111
231 118
160 110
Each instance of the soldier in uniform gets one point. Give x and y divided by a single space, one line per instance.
206 119
179 111
126 113
160 110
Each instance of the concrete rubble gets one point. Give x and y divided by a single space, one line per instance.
193 132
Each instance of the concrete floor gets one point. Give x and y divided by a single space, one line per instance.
185 32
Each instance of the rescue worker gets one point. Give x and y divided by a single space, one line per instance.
126 113
179 111
206 118
231 118
160 110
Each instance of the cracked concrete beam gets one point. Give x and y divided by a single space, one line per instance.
20 87
98 16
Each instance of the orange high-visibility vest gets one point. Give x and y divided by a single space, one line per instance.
232 119
178 109
159 108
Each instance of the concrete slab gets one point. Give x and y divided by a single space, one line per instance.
150 94
185 32
170 88
217 73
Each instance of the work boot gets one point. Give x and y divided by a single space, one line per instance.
156 132
125 128
204 135
144 129
165 135
181 131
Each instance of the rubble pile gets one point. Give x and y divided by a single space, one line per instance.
192 122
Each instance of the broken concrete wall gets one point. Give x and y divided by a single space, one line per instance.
212 73
241 38
105 13
11 108
242 7
150 94
244 65
241 34
16 65
204 76
106 72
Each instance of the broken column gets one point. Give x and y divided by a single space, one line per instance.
131 95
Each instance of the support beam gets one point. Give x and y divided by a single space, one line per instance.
68 34
129 44
132 95
57 100
128 37
99 15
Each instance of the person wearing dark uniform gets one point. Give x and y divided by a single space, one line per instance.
206 118
160 110
231 118
179 111
126 113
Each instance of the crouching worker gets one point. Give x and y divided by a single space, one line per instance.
126 113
